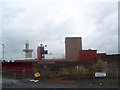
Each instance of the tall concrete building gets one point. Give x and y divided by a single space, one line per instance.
72 46
28 52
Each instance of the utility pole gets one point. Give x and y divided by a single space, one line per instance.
2 51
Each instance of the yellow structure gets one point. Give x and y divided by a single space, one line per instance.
37 74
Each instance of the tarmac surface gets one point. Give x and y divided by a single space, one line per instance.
81 83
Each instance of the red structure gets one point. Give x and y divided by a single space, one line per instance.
39 56
74 52
101 54
87 55
19 67
41 52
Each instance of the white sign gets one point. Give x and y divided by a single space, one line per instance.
100 74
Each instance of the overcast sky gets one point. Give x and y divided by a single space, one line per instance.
50 21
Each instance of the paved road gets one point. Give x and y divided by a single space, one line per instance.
83 83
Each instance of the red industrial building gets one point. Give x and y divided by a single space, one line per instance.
100 54
74 52
87 55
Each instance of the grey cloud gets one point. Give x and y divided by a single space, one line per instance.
49 24
105 37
